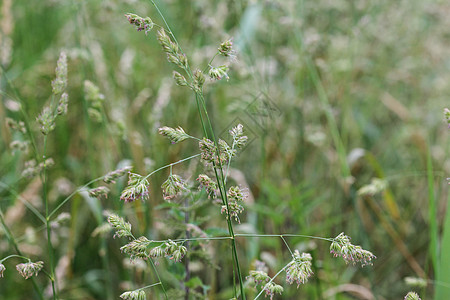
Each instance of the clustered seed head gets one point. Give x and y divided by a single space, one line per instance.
60 82
2 269
341 246
113 175
31 169
208 184
101 191
29 269
179 79
95 100
272 288
137 248
447 116
173 186
16 125
209 152
376 186
62 104
217 73
46 120
134 295
175 135
226 48
141 24
122 228
258 277
299 269
174 55
199 80
239 139
174 251
235 196
137 188
157 252
412 296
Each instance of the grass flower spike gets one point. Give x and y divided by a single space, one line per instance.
141 24
172 187
175 135
341 246
60 82
134 295
122 228
217 73
137 188
137 248
112 176
299 269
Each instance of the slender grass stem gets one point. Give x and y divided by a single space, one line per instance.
13 242
51 250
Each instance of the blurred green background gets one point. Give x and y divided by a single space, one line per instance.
331 93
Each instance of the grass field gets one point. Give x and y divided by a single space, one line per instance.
343 106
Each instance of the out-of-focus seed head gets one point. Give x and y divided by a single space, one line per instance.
29 269
226 49
60 82
199 80
101 191
412 296
2 269
134 295
112 176
62 104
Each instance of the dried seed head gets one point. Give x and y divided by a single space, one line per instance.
133 295
299 269
376 186
341 246
29 269
60 82
175 135
141 24
122 228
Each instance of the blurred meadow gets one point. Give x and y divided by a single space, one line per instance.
343 105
